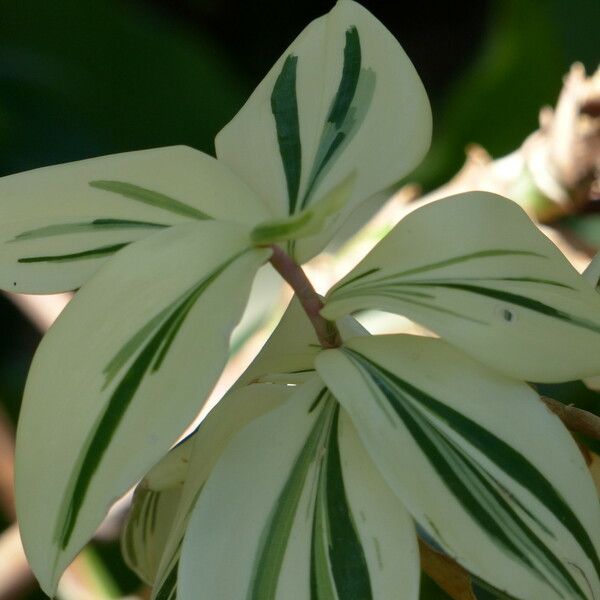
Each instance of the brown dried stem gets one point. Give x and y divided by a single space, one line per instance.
448 574
575 419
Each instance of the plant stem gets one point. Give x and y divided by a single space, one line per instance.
284 264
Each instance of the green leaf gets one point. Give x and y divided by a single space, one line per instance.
311 517
59 224
124 369
474 269
163 501
323 113
466 450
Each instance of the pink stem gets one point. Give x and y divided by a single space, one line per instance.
327 332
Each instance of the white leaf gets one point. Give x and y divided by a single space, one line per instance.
474 269
477 459
153 549
289 354
125 368
321 117
59 224
295 504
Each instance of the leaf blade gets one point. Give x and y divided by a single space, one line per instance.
178 478
61 223
107 414
492 285
486 491
300 557
347 72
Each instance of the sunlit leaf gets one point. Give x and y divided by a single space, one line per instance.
59 224
474 269
321 117
468 452
295 509
287 357
162 502
152 512
125 368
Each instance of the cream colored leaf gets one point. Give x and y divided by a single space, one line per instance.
477 459
293 505
125 368
59 224
322 116
474 269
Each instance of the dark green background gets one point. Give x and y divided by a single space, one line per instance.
80 78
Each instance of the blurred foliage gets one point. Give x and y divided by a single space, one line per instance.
585 227
528 47
79 79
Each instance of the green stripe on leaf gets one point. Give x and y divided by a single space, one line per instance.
284 105
83 255
97 225
168 589
348 109
480 494
152 349
277 531
517 299
150 198
346 554
350 73
338 567
436 265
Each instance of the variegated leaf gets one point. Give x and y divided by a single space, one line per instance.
153 510
477 459
475 269
315 137
162 502
59 224
295 509
287 358
124 369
